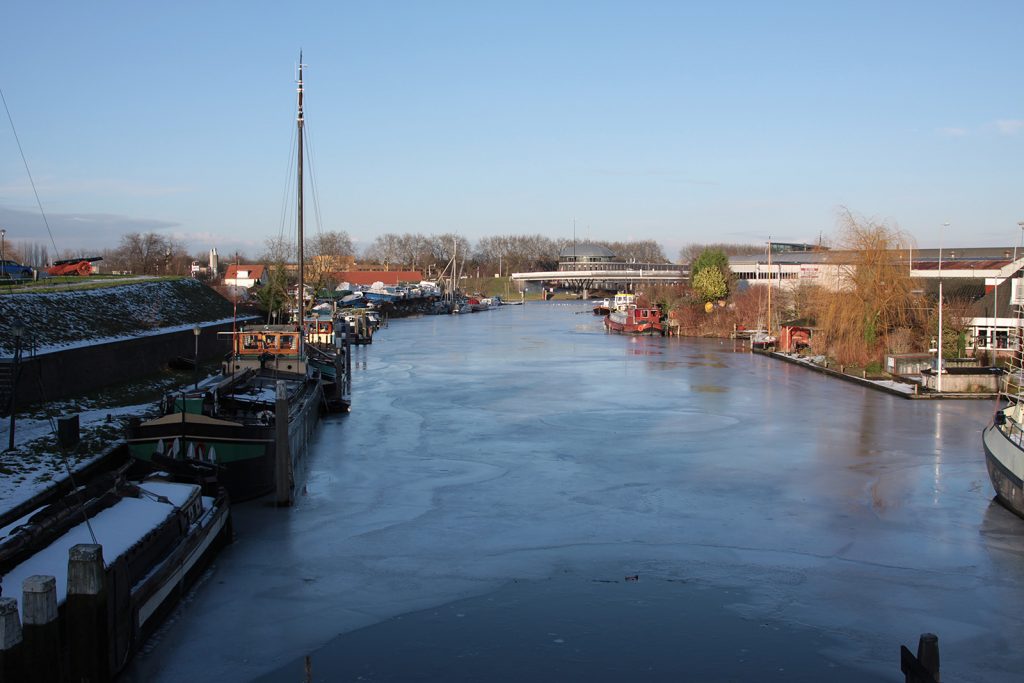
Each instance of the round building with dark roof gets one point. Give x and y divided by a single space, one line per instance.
585 253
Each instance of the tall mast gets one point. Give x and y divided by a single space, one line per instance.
770 282
300 308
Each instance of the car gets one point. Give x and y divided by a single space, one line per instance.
12 270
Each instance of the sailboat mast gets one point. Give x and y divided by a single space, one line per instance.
770 283
300 307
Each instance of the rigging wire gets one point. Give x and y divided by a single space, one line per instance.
29 172
314 188
289 189
64 461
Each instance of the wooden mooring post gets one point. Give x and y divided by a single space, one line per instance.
41 630
10 642
284 474
85 611
924 668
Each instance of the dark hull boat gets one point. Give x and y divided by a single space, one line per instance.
156 536
250 423
329 352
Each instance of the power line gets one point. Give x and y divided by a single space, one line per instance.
29 172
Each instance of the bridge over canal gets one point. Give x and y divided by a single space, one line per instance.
609 276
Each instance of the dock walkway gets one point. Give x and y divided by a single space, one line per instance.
905 389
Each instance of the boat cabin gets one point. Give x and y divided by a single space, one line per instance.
320 331
277 347
623 300
267 341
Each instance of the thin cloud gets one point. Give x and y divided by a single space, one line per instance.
76 230
1007 127
98 186
1010 126
672 176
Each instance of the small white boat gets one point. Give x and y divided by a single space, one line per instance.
1003 440
1004 456
762 340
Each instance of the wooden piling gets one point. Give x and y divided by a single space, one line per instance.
41 630
85 611
924 668
928 654
11 646
282 448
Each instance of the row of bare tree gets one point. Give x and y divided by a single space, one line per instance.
156 254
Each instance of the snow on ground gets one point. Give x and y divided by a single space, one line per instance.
818 362
895 386
77 318
81 317
36 462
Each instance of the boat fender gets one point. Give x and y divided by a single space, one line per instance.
1000 417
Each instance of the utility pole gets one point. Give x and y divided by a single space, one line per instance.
938 365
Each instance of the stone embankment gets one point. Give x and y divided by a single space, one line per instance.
78 341
904 389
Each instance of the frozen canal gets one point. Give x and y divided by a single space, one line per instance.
501 475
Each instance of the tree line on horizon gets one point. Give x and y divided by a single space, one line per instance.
877 312
156 254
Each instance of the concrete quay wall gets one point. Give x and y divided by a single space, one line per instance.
919 395
74 371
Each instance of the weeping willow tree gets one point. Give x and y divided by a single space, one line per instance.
874 304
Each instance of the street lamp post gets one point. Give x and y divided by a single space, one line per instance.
3 238
17 330
938 364
195 332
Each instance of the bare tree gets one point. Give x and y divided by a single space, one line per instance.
690 252
638 251
446 245
385 249
328 252
876 299
278 250
956 322
33 254
148 254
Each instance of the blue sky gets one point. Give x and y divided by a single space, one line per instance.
674 121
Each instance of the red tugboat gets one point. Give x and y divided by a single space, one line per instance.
634 319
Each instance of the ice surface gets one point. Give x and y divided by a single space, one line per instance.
527 443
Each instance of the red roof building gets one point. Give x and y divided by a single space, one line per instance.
245 275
